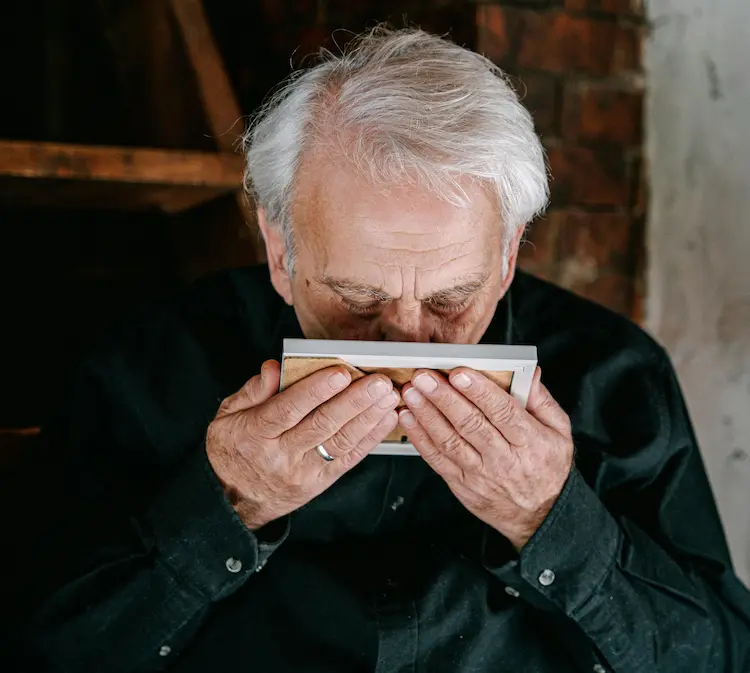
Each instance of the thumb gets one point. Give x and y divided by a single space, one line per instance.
257 390
542 406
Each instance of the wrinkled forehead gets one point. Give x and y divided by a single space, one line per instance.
336 211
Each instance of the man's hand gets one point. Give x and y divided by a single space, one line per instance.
506 464
262 443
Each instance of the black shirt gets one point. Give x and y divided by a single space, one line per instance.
123 554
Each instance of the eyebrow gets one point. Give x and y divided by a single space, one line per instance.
456 293
344 286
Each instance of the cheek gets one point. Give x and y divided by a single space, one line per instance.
323 318
466 328
453 331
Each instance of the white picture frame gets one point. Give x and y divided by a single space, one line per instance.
520 360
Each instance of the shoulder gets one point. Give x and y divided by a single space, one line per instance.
565 326
614 380
156 377
230 299
236 309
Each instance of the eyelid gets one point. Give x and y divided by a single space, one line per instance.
455 307
372 301
452 301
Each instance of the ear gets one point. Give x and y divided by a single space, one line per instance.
511 253
276 255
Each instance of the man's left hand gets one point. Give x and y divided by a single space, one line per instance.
506 464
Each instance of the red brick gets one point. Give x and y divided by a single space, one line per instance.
560 43
582 176
597 113
600 240
539 248
539 95
610 289
494 31
641 194
623 7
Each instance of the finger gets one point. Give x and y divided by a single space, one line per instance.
439 429
257 390
325 421
286 409
351 435
500 408
420 439
330 471
465 417
544 407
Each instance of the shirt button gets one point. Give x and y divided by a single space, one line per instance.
515 593
546 578
261 565
598 668
397 503
234 565
165 650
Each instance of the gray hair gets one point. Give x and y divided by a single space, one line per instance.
400 105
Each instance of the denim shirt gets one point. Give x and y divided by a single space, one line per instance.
121 552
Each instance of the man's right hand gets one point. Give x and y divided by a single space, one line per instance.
262 443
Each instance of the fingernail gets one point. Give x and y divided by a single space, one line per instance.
460 380
390 420
388 401
413 397
425 383
407 419
378 388
337 381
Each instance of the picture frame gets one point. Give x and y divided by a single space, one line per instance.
512 367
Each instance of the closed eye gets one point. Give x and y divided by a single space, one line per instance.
439 306
361 309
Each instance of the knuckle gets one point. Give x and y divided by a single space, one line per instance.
223 407
503 411
285 408
319 393
471 424
323 422
358 398
277 412
484 394
452 444
344 441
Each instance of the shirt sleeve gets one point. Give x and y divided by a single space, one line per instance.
637 577
117 554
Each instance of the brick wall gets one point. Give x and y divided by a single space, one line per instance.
577 64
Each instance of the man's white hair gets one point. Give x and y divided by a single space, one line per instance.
401 106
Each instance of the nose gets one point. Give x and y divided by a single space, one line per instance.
405 322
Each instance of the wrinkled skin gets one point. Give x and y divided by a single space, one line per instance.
397 265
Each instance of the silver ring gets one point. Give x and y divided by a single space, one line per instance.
323 453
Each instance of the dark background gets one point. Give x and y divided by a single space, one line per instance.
115 72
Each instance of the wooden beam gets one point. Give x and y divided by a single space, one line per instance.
119 164
53 175
219 102
178 95
220 105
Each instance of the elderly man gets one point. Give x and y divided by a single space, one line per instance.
190 524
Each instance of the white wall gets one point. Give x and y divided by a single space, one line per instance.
698 240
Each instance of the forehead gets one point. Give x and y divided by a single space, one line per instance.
356 230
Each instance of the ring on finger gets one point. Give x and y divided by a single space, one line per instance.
323 453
